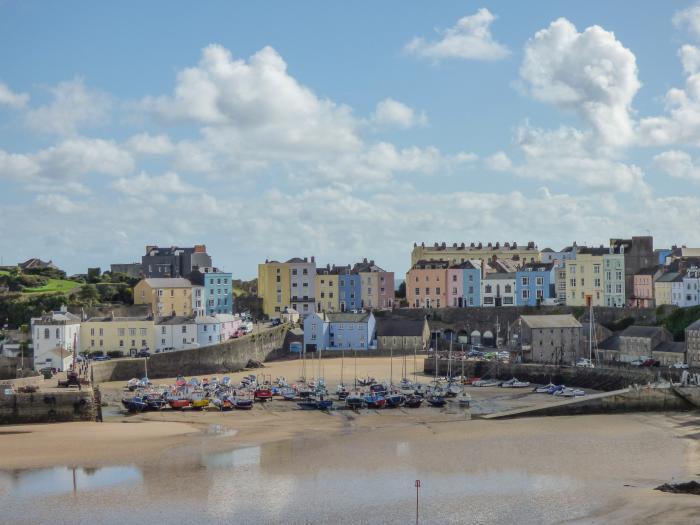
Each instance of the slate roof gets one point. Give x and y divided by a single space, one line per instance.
694 326
550 321
611 343
176 319
400 327
499 276
168 282
667 346
670 277
641 331
348 317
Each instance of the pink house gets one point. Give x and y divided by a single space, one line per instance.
426 285
229 325
643 288
386 289
455 286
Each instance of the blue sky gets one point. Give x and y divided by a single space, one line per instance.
277 129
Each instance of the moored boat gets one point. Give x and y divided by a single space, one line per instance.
354 401
134 404
375 401
179 403
436 401
394 400
262 394
413 402
242 403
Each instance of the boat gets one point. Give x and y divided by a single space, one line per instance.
132 384
569 392
394 400
485 383
289 394
413 402
262 394
200 403
436 401
454 389
341 392
134 404
154 402
367 381
378 388
178 403
354 401
308 404
464 400
543 389
554 389
375 401
242 403
514 383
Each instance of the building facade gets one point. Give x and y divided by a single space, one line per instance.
615 281
550 339
534 284
208 330
326 290
584 277
350 290
166 296
458 253
339 331
498 289
692 344
174 261
668 288
643 288
426 284
402 336
218 292
126 335
274 287
691 285
302 281
175 333
54 336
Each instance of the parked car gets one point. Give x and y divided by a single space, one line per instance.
651 362
276 322
102 358
582 362
637 362
681 366
143 353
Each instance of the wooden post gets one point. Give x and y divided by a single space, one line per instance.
417 487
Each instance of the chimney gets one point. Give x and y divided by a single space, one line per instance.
313 259
364 260
371 262
306 259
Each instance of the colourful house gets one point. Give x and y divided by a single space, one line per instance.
534 284
127 335
350 289
643 288
339 331
464 284
668 288
326 290
166 296
498 289
274 287
208 330
426 284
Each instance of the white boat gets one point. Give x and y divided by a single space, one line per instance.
464 399
543 389
514 383
485 382
455 389
570 392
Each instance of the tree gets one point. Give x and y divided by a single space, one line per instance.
401 292
88 294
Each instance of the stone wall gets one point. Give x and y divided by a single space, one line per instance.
47 407
216 359
8 367
36 381
595 378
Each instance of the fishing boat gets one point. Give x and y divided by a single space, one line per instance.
242 403
436 401
375 401
368 381
178 403
354 401
262 394
132 384
413 402
394 400
199 401
289 394
134 404
514 383
154 402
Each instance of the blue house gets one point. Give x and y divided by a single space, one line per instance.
218 293
350 291
208 330
339 331
534 284
471 284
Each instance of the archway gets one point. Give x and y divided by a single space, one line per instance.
476 337
488 338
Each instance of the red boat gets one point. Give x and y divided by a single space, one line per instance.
470 380
179 404
375 401
262 394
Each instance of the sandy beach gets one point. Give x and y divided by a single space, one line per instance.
602 468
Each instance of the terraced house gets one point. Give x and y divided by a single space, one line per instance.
459 253
126 335
426 284
166 296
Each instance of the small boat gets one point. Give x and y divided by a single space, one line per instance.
154 402
367 381
132 384
262 394
413 402
394 400
134 404
543 389
569 392
554 389
308 404
464 400
375 401
378 388
178 403
222 403
341 392
514 383
200 403
242 403
437 401
354 401
485 383
454 389
289 394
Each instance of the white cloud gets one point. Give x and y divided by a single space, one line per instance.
147 144
57 203
590 73
690 58
392 113
12 99
73 106
147 185
499 161
677 164
688 19
469 39
256 106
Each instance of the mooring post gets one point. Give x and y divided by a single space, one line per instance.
417 487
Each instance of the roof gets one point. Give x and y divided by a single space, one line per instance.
57 317
118 319
694 326
206 319
431 265
348 317
226 318
641 331
547 250
466 265
400 327
584 250
670 277
298 260
550 321
537 267
168 282
176 319
611 343
530 246
667 346
499 276
648 271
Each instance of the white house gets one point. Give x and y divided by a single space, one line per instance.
176 333
53 337
498 289
691 288
198 301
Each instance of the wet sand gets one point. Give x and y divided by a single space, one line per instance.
276 463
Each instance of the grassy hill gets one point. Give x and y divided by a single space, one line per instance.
54 285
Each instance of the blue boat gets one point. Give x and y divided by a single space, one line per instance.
134 404
375 401
395 400
437 401
315 404
553 389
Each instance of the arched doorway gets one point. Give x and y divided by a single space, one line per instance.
476 337
488 338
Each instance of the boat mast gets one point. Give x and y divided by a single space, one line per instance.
415 351
391 367
590 333
436 356
342 364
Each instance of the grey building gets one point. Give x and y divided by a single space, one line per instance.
130 269
551 339
174 261
638 342
639 254
402 335
692 344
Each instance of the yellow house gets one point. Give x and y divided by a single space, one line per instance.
665 286
326 291
117 334
274 287
584 278
167 296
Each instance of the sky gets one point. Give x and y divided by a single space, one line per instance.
343 130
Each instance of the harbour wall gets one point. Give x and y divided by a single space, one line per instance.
47 407
606 379
37 381
230 356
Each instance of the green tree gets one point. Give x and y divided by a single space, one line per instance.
88 294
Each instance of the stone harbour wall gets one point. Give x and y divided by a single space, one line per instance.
47 407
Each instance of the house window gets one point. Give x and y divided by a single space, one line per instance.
487 288
524 281
539 281
121 331
417 291
132 331
47 333
508 288
184 329
143 331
